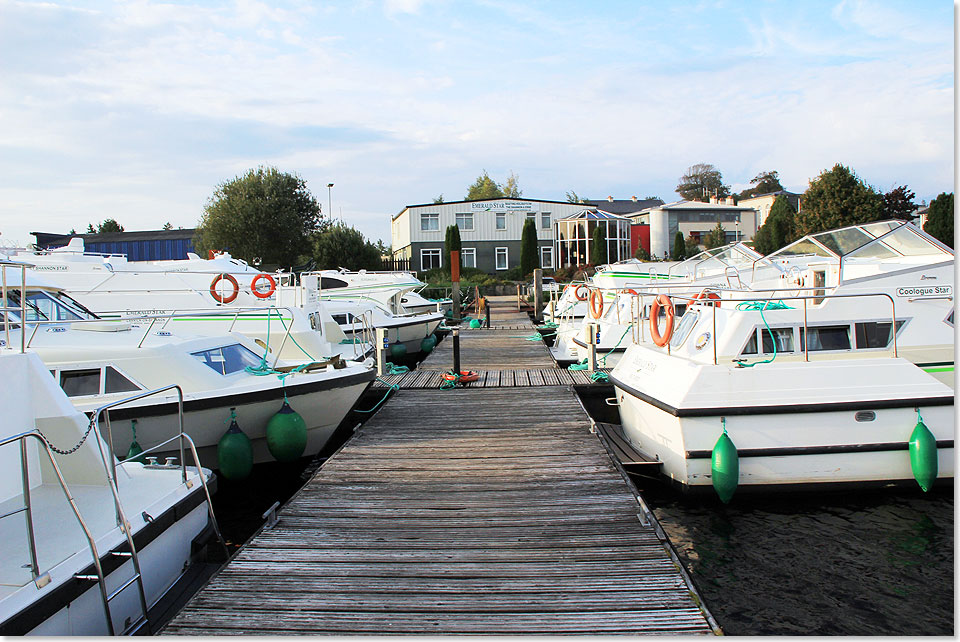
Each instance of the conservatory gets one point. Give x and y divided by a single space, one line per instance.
574 238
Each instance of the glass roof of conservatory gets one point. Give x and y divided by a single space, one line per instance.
594 215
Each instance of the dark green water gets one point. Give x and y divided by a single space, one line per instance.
879 563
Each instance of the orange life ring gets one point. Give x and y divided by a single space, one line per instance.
630 291
663 301
263 295
224 298
596 304
466 376
585 291
704 296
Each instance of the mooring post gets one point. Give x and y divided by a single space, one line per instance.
538 296
593 337
382 344
456 349
455 282
486 310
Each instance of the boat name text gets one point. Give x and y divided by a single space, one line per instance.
926 290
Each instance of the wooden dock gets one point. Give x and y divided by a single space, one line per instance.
465 511
485 509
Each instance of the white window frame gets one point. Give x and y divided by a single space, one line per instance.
467 217
431 251
468 257
501 221
545 216
505 253
429 216
545 252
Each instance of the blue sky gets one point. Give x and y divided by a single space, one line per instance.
137 110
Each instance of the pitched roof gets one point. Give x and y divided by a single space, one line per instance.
625 206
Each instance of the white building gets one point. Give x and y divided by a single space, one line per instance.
696 219
490 232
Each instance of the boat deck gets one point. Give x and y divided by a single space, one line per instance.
464 511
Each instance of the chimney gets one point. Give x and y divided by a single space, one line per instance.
730 201
713 200
633 198
610 199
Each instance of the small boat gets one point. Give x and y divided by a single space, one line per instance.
67 566
847 382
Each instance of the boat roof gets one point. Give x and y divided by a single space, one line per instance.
879 240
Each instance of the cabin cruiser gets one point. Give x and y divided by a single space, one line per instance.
99 360
840 373
608 297
67 566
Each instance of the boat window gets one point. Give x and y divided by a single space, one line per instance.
228 359
844 241
51 309
751 347
829 337
949 319
80 383
341 319
801 248
328 283
687 323
874 334
114 381
783 337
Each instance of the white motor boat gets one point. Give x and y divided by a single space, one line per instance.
817 385
67 566
97 361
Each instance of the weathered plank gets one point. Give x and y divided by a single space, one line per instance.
466 511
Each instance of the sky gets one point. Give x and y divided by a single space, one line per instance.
137 110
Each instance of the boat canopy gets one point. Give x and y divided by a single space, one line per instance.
883 239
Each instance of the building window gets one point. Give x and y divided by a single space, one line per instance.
502 258
544 220
468 257
430 259
501 221
430 222
546 257
465 222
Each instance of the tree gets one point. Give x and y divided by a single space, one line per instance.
483 188
692 247
778 229
107 226
940 219
438 200
451 242
511 189
837 198
341 246
72 231
642 253
573 197
529 261
716 237
90 229
265 215
679 247
763 183
898 203
167 226
598 249
700 182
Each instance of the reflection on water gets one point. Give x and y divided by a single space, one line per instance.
877 563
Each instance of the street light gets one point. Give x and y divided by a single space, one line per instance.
329 207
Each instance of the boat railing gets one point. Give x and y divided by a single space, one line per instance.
7 309
817 297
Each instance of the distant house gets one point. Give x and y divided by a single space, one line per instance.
625 207
763 202
490 232
158 245
695 219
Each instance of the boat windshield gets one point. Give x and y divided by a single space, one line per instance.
47 306
902 241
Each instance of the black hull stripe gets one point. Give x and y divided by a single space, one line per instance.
732 411
239 399
840 449
59 597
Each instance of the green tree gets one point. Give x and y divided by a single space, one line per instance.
438 200
898 203
450 243
528 248
573 197
341 246
716 237
642 253
692 247
167 226
763 183
598 249
679 247
483 188
109 226
837 198
511 189
939 223
700 182
265 215
91 229
778 229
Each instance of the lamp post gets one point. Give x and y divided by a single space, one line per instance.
329 200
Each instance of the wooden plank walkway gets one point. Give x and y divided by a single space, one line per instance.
491 378
468 511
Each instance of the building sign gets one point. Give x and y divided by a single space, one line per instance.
503 206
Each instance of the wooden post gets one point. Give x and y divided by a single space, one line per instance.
538 296
456 350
